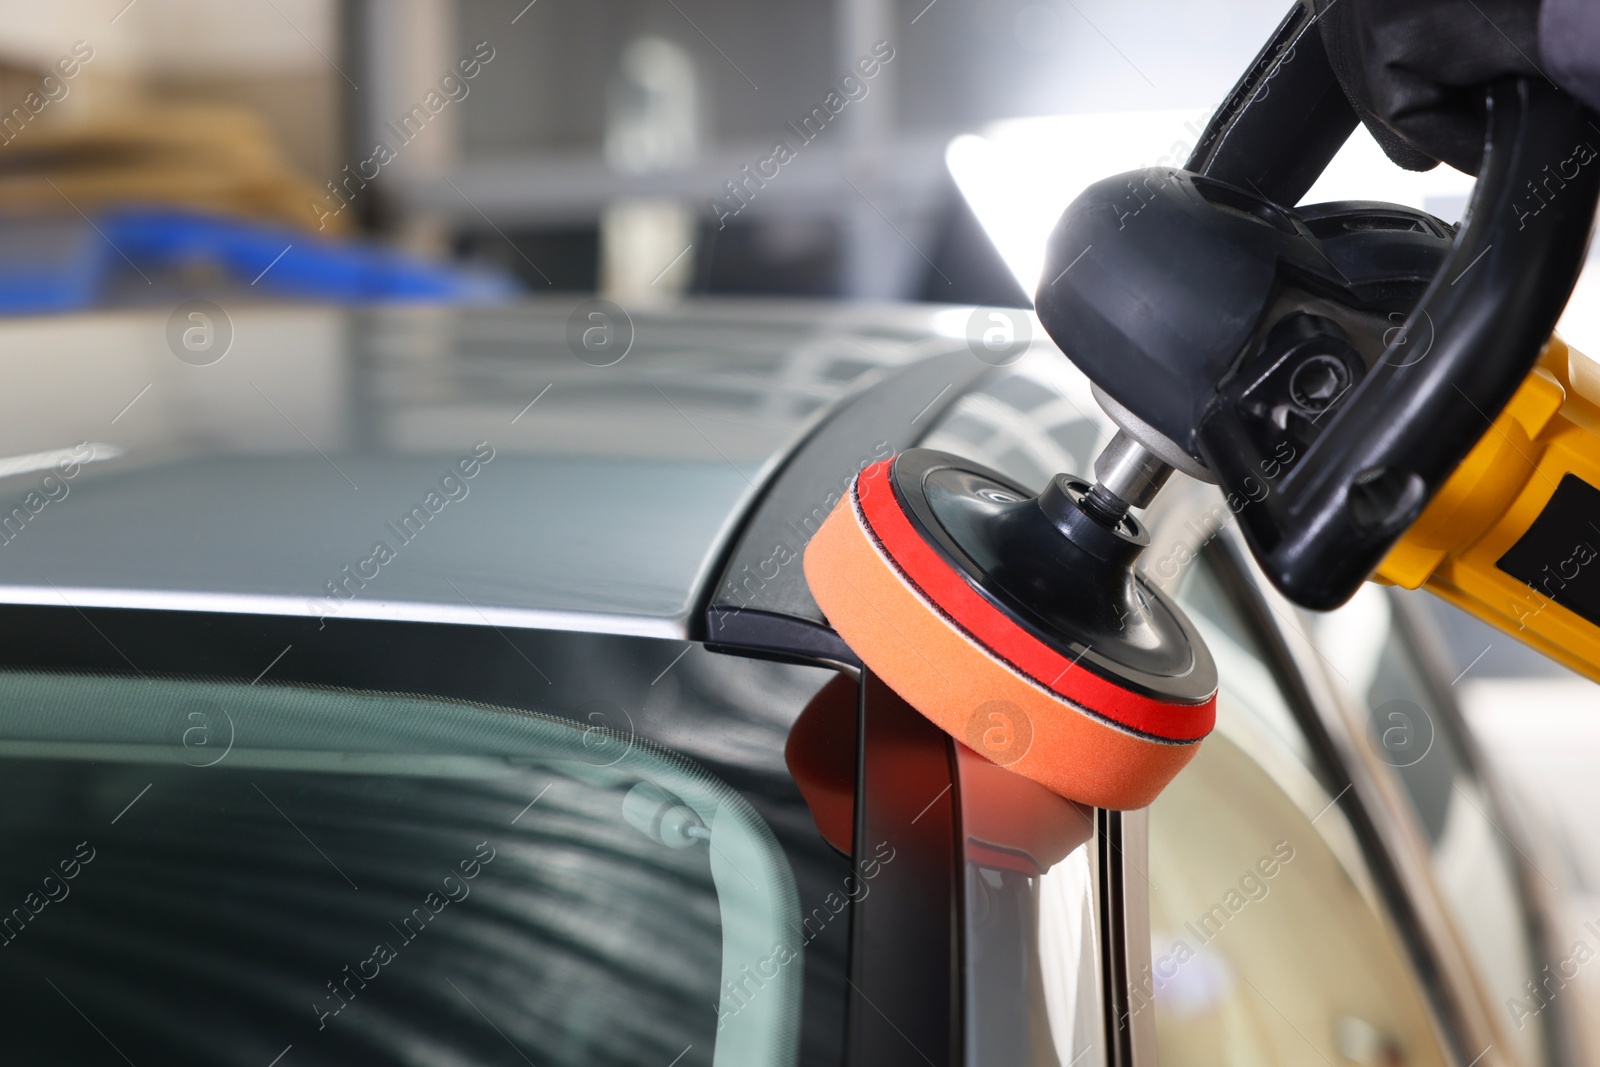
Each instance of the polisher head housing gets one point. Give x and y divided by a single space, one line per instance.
1017 624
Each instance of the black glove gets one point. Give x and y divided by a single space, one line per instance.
1415 70
1569 37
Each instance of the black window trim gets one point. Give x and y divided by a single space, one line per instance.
905 954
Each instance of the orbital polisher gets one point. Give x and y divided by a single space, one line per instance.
1379 387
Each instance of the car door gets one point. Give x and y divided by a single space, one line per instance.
1275 906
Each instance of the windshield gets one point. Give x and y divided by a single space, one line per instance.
220 872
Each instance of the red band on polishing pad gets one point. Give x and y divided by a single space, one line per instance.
987 625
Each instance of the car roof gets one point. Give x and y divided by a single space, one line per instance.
600 497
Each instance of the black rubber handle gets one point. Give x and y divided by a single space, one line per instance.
1465 348
1284 120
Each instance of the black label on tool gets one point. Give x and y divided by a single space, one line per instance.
1559 555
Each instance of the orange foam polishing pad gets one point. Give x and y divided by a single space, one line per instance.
959 660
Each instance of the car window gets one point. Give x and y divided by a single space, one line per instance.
1269 942
222 873
1416 734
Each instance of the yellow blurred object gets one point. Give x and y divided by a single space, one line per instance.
209 158
1525 495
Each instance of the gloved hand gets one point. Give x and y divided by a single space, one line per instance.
1415 70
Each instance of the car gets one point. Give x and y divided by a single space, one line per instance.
433 685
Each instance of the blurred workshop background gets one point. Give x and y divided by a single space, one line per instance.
456 150
583 146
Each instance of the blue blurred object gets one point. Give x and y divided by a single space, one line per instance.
68 264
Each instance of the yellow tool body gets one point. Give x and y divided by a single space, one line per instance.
1513 536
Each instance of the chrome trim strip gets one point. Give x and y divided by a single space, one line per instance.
672 628
33 462
1135 856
